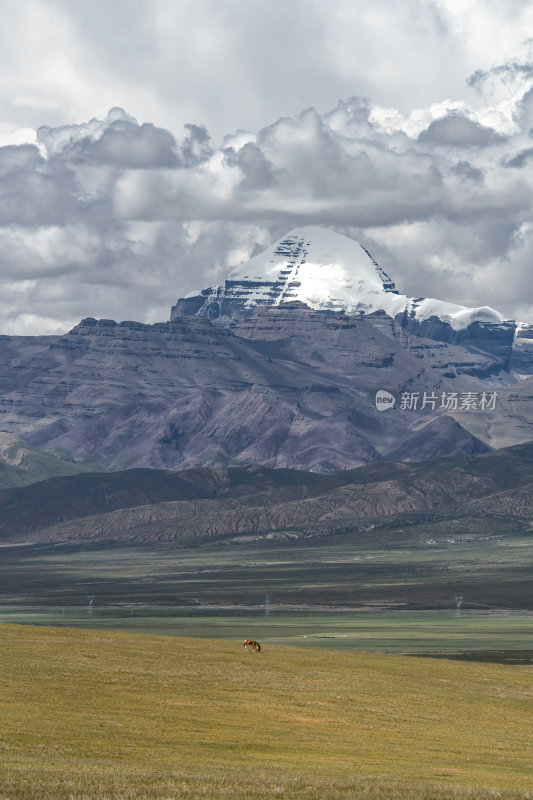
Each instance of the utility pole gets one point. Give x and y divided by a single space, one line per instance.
267 606
458 602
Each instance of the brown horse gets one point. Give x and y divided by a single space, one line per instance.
256 647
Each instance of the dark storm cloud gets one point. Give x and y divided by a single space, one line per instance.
300 170
459 131
258 172
520 159
122 143
506 72
196 147
30 194
19 157
135 147
524 113
463 169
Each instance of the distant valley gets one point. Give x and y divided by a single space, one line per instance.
332 422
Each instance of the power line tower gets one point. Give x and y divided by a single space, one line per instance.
90 600
458 603
267 606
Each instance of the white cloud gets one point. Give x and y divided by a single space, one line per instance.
104 215
33 324
126 214
229 65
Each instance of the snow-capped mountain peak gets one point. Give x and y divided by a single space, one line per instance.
328 272
325 267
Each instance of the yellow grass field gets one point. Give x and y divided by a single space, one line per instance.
108 716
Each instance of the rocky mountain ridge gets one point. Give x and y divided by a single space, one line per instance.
466 496
288 387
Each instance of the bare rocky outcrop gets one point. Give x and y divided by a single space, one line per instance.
287 387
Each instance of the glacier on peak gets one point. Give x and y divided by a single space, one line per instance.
328 272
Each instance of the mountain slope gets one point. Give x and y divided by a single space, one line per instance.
432 437
204 505
288 388
22 464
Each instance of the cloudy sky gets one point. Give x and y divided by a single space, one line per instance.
148 146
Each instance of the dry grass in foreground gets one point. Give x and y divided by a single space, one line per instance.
106 716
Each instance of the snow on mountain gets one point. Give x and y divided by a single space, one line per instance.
327 271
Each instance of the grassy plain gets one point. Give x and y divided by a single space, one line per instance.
338 593
320 573
503 637
94 714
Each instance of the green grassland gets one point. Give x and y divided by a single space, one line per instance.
499 637
331 572
97 714
331 594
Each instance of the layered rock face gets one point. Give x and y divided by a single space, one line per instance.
288 386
